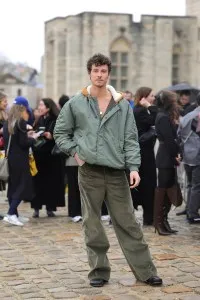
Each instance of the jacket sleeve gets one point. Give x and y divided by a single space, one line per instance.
64 129
24 140
146 116
166 132
131 145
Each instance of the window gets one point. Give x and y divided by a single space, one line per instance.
124 71
113 82
19 92
176 55
113 57
120 57
175 59
114 71
123 84
119 73
124 58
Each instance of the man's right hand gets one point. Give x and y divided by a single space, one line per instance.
79 161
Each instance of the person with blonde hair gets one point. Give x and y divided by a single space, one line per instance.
20 180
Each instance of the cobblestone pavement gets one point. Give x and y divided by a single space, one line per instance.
46 259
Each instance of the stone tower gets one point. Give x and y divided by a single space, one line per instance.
193 9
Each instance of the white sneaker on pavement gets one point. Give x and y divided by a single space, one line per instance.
23 219
76 219
13 219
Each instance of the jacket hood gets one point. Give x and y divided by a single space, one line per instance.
117 96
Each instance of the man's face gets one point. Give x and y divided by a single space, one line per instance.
128 96
184 99
99 75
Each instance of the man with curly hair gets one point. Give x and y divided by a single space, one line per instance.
97 127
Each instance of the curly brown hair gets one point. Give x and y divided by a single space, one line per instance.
142 92
168 101
99 60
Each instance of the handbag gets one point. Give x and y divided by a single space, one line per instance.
174 193
32 164
4 170
147 136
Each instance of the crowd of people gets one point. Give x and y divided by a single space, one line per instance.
103 142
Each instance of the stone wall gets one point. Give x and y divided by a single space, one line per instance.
70 41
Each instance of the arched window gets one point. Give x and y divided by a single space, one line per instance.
176 64
119 53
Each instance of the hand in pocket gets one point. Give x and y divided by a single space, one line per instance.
79 161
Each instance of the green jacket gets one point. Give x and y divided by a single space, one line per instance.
111 140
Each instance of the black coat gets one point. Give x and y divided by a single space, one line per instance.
49 182
168 148
20 180
144 120
2 183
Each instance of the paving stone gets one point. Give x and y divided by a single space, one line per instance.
49 285
128 281
165 256
176 289
65 295
58 289
33 296
192 284
190 269
185 278
48 260
192 297
98 297
16 282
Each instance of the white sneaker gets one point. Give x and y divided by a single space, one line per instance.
76 219
105 218
13 219
23 219
5 218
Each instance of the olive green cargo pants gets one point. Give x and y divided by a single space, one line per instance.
97 183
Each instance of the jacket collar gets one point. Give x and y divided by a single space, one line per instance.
117 96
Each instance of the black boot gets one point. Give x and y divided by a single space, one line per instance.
50 214
167 207
36 213
158 211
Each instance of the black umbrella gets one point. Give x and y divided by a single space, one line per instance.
182 87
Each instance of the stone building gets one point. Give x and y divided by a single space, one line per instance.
157 51
14 86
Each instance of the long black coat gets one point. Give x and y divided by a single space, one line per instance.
49 182
2 183
20 184
145 118
167 135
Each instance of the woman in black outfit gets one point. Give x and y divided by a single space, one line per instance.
145 115
167 158
20 181
49 181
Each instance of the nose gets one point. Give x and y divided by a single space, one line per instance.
99 74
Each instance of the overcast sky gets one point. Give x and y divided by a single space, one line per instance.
22 21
